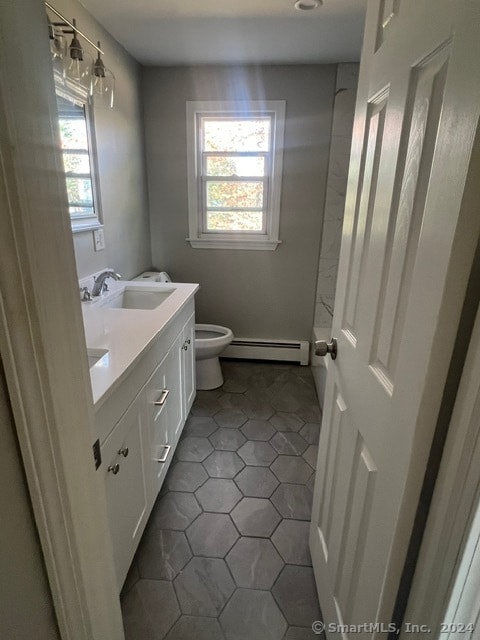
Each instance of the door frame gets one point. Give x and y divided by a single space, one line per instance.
42 343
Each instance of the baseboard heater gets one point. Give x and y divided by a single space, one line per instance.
283 350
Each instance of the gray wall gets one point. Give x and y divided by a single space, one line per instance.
260 294
119 137
26 608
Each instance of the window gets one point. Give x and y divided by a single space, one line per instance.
235 153
76 138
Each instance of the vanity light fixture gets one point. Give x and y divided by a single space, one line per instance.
79 68
76 65
307 5
103 83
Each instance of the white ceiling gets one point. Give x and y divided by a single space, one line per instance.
169 32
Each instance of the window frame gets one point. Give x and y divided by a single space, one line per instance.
199 237
77 94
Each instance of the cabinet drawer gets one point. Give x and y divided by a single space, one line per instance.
122 455
163 418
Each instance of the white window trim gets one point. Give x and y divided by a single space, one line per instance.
265 241
72 91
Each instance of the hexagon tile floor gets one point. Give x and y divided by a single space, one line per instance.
225 553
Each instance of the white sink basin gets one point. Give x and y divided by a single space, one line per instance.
97 357
136 298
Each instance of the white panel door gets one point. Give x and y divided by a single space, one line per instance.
411 225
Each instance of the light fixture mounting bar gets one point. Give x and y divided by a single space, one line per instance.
76 29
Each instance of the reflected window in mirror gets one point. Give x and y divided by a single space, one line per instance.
79 160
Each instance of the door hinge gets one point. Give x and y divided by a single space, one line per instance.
97 454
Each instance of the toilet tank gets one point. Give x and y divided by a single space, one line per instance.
154 276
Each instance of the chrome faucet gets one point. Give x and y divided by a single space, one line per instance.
99 284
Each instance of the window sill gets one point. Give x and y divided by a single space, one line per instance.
90 225
256 245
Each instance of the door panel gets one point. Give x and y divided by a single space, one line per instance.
363 215
407 247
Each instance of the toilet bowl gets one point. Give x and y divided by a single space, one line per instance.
210 341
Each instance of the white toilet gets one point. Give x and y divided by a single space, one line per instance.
210 341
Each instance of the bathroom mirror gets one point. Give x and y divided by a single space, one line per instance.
77 141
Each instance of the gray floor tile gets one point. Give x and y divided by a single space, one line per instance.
162 554
293 501
286 421
303 633
258 454
223 464
230 418
255 517
311 432
310 455
193 449
186 476
204 587
232 385
199 426
218 495
254 563
291 469
252 615
233 401
149 609
259 395
310 412
206 407
296 593
258 430
285 402
291 540
212 535
257 482
259 410
239 418
311 482
175 511
131 579
195 628
227 439
288 443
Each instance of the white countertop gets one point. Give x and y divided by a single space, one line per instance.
127 333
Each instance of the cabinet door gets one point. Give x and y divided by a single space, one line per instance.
188 365
122 455
164 419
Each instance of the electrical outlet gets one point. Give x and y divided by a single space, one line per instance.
98 239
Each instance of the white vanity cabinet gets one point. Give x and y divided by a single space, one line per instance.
126 493
164 418
188 364
139 425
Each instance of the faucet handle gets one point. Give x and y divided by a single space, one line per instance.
85 294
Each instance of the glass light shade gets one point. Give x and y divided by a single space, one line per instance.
103 88
79 70
58 44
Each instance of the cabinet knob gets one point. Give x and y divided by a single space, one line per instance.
185 346
114 468
188 341
123 452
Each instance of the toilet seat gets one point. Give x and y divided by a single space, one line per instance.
211 334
